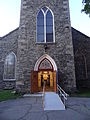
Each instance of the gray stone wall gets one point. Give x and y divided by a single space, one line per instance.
81 44
8 44
29 51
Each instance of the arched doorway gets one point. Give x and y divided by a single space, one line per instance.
44 74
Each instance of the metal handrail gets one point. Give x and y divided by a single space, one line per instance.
44 96
63 95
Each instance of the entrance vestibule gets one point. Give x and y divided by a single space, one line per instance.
46 78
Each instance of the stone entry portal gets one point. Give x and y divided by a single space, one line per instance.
44 74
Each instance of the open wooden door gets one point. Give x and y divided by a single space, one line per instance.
55 82
34 82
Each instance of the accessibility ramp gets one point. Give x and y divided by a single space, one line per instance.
53 102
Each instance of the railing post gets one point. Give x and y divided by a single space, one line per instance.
62 93
64 101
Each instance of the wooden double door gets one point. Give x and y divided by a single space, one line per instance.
41 78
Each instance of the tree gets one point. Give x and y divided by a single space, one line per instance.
86 8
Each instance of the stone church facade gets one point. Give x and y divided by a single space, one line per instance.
44 50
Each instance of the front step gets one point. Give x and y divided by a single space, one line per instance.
33 95
53 101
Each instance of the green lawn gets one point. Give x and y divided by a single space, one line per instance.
8 94
82 94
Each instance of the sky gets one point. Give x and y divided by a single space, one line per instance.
10 16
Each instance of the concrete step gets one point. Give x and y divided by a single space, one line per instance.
33 95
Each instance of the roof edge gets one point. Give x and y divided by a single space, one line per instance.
9 33
80 32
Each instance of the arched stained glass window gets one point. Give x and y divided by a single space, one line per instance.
40 26
9 67
45 64
49 27
45 26
80 64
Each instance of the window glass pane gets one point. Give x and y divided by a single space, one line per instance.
49 37
10 60
49 27
49 34
49 22
40 15
9 67
49 15
40 38
49 18
40 29
40 21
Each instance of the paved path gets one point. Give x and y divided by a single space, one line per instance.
31 109
53 102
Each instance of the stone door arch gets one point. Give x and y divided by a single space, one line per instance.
45 70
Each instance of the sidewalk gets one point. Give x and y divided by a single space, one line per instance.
31 109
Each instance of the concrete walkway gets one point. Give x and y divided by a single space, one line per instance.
53 102
31 109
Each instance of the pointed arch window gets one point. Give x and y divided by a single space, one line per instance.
45 26
9 67
81 66
45 64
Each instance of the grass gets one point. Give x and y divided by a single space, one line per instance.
82 94
8 94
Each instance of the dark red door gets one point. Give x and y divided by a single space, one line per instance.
34 81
